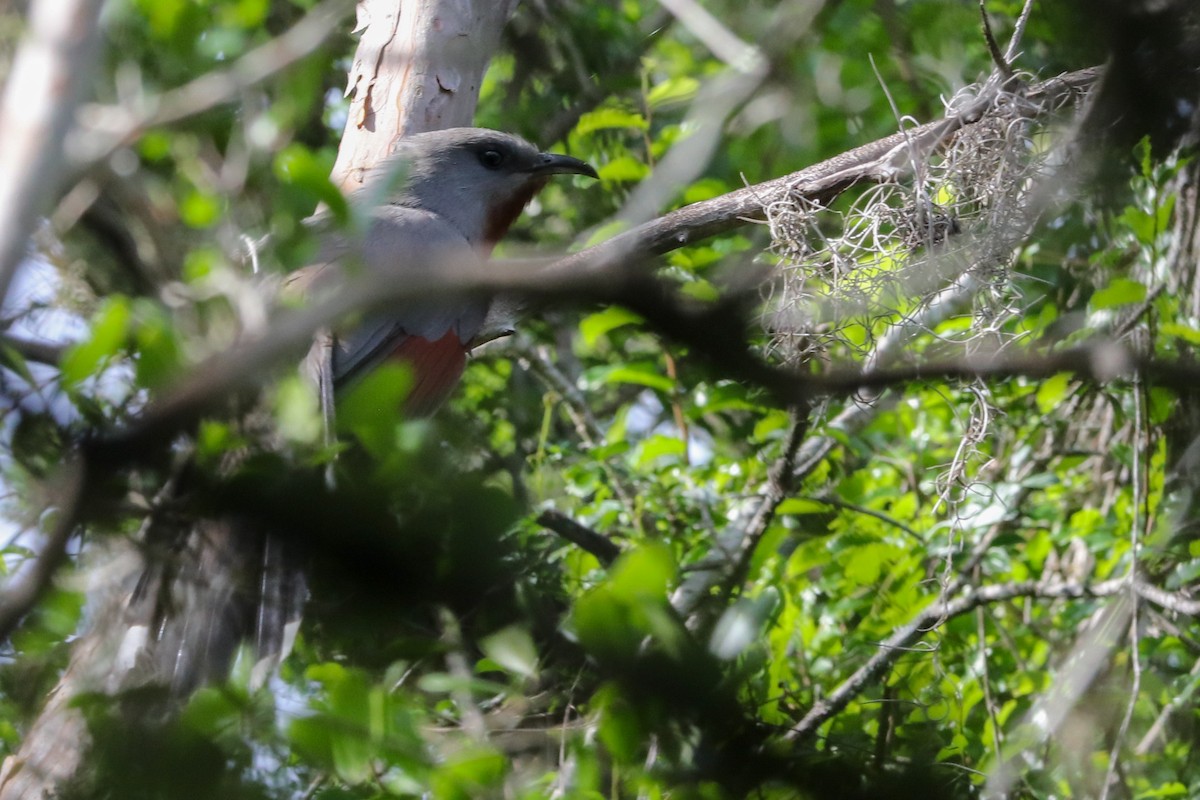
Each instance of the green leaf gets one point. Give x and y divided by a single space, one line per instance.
513 649
704 189
245 13
770 425
621 730
1120 292
370 409
109 332
1170 789
212 711
659 447
445 683
351 748
607 626
606 231
623 169
13 360
646 572
640 374
609 118
1143 224
298 166
470 774
593 326
701 290
164 15
298 410
739 627
199 210
1053 391
673 90
612 619
863 565
798 506
159 358
1189 334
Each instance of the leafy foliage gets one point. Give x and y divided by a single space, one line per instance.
455 647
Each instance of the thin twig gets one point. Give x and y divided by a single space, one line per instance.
1018 32
929 619
110 127
471 717
1002 64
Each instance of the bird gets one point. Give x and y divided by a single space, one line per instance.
459 192
441 201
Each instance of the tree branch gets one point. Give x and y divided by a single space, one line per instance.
883 159
110 127
599 545
714 331
937 613
33 350
23 591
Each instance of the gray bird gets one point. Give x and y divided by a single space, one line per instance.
442 201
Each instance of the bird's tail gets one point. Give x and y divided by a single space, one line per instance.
200 598
176 621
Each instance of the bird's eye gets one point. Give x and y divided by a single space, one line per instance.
492 159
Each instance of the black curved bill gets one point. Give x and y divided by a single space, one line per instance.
558 164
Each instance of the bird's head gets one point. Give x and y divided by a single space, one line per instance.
477 179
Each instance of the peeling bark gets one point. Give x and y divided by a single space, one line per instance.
418 67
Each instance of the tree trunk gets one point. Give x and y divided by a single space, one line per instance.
418 68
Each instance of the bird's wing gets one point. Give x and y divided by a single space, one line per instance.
430 335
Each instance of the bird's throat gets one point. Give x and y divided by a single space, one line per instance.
501 217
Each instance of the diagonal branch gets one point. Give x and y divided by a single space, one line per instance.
22 592
881 160
110 127
604 549
937 613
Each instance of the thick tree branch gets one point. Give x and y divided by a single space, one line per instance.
883 159
418 67
715 332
